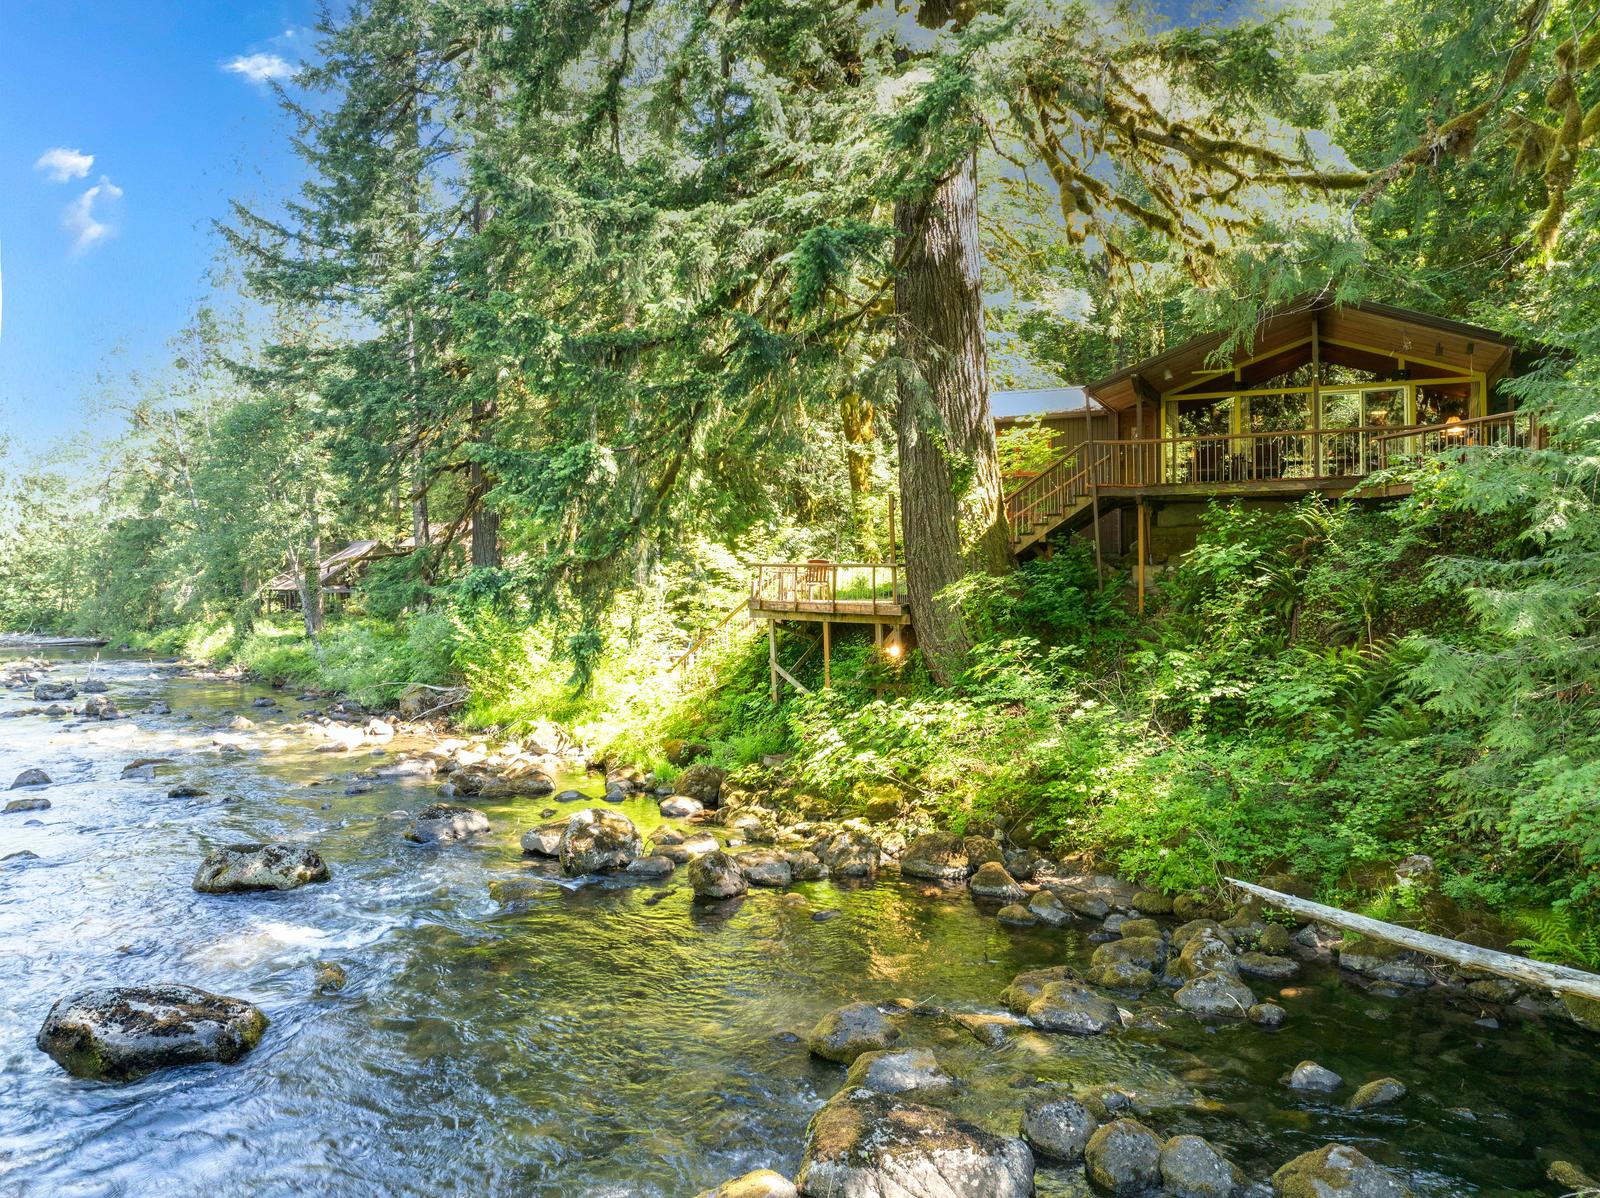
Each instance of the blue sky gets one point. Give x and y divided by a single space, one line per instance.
102 261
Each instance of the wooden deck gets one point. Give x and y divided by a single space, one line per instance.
1288 464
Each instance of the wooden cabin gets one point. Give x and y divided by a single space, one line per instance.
336 572
1323 396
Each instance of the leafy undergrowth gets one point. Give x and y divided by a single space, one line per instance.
1285 711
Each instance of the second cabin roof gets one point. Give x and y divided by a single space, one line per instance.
1368 336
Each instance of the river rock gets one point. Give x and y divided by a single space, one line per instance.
1267 1014
1202 954
1216 995
1308 1075
1146 952
704 783
1570 1178
805 866
851 853
1017 916
54 692
844 1033
1073 1008
329 977
30 777
1183 933
1048 909
545 840
896 1071
1381 1092
681 806
686 848
881 1147
716 875
1123 1157
939 856
121 1033
1027 986
442 823
571 796
1385 963
763 1183
1058 1128
654 866
185 790
1265 965
981 850
1192 1168
1336 1171
598 841
992 882
158 708
31 803
765 867
242 868
1152 902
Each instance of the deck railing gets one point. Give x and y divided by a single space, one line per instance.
853 588
1057 489
1507 430
1249 457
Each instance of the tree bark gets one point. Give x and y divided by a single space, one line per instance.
950 487
855 416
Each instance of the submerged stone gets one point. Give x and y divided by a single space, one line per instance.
241 868
896 1071
845 1033
880 1147
1336 1171
1377 1093
122 1033
597 841
716 876
1123 1158
763 1183
1308 1075
1073 1008
1059 1128
1192 1168
442 823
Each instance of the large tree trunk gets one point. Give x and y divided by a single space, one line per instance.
950 487
855 415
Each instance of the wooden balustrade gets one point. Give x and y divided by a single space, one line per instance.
825 587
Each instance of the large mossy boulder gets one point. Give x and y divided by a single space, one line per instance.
1336 1171
703 783
992 882
1192 1168
119 1033
716 875
846 1032
598 840
1059 1128
241 868
850 853
881 1147
444 823
1027 986
1216 995
1073 1008
938 856
1123 1158
1385 963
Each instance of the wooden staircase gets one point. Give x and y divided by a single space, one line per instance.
1058 499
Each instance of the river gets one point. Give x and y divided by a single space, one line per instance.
604 1040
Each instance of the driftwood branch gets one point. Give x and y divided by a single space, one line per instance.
1560 979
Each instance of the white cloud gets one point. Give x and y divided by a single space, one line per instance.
258 68
62 164
85 217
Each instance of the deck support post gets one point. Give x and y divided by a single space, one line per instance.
1141 521
772 656
827 654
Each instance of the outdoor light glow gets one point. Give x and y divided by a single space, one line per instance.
892 649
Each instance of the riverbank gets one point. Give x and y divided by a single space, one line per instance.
547 1016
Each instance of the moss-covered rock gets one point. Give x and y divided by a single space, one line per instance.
1336 1171
122 1033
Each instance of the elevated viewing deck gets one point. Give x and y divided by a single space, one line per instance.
1283 464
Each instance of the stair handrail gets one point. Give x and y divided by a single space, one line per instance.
717 636
1075 486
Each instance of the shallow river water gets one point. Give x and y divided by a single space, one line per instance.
604 1040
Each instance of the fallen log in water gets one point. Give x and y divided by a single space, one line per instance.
1560 979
